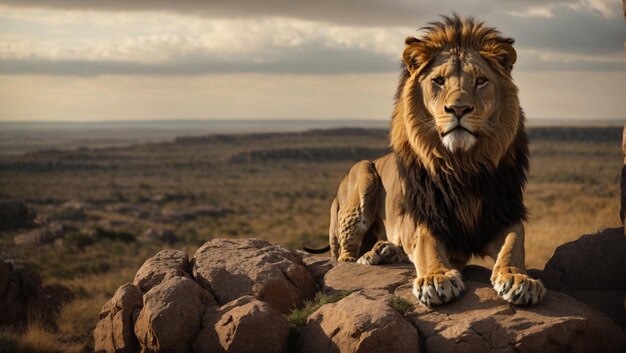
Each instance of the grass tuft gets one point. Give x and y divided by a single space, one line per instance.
297 318
400 304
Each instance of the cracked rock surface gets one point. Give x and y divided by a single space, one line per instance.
234 296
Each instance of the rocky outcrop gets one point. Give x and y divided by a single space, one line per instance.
243 325
480 321
215 302
114 332
15 214
362 322
22 295
592 269
161 267
622 211
231 269
233 296
171 315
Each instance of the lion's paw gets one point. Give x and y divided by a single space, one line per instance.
439 287
518 288
345 257
370 258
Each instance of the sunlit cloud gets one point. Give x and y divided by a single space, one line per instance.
166 41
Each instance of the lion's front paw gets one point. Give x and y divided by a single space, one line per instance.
517 288
370 258
438 287
345 257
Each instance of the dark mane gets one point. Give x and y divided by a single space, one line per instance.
437 200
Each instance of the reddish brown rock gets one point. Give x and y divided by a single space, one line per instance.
352 276
232 268
622 211
319 266
161 267
171 315
4 277
243 325
480 321
594 261
15 214
592 269
358 323
22 296
114 332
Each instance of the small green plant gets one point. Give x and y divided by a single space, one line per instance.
401 304
297 317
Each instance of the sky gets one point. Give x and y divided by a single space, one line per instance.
94 60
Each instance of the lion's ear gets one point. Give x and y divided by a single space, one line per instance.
502 53
508 56
414 55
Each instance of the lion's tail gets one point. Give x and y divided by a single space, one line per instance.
317 251
332 234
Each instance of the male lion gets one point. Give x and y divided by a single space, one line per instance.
453 184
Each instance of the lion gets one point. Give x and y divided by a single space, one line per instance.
453 184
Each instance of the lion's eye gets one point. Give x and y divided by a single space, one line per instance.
481 81
439 80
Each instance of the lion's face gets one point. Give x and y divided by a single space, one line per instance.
457 107
458 90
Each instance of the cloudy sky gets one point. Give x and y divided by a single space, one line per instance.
93 60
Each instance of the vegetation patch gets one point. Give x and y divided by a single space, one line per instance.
297 317
400 304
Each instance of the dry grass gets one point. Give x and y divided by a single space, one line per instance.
36 338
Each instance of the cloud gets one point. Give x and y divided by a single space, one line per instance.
68 37
534 11
352 12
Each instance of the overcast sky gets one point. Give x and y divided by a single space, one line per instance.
92 60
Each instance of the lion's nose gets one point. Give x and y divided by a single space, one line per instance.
458 110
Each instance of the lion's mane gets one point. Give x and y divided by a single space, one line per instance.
439 185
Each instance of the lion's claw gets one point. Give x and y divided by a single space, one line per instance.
438 287
518 288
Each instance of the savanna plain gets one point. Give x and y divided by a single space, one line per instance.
120 205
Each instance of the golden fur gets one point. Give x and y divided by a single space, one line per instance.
453 185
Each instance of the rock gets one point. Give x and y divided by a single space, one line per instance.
243 325
171 316
114 331
352 276
4 277
599 281
45 235
22 295
480 321
318 267
604 267
622 211
161 267
15 214
234 295
162 235
231 268
357 323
